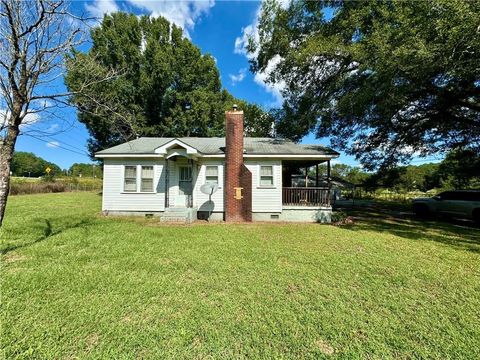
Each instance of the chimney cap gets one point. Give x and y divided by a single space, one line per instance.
235 107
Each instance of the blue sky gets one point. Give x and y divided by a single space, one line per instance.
217 27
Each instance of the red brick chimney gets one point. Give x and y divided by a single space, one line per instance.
238 179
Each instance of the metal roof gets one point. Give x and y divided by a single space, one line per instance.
216 146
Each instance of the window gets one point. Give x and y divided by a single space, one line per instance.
146 184
185 181
211 174
185 173
266 175
130 182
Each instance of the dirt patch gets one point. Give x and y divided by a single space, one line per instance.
324 347
91 342
292 288
10 258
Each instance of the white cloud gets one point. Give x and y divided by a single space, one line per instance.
101 7
53 144
182 13
29 119
276 88
239 77
261 78
53 128
251 31
241 42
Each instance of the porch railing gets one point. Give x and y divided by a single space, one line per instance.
306 196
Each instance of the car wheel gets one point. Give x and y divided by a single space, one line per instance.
421 210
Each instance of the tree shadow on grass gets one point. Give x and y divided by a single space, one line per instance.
449 233
47 232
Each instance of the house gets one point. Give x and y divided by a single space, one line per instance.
250 178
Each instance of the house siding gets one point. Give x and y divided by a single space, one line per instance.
266 199
200 199
115 199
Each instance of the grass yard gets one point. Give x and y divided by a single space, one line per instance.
77 285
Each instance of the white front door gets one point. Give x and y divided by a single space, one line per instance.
184 185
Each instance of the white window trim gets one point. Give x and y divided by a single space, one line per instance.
153 180
218 174
139 179
124 168
260 186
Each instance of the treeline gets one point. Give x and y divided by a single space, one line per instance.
27 164
459 170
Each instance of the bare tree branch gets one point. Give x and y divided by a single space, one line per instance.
35 37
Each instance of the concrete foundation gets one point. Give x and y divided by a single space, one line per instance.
293 214
302 214
297 214
132 213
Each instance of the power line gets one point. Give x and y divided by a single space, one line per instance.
64 143
59 146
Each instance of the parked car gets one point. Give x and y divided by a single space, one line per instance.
457 203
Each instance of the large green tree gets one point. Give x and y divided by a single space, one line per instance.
165 85
459 170
85 170
383 79
29 165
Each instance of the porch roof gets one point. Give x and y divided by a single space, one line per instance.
215 146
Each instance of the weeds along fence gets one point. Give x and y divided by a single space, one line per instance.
24 188
390 195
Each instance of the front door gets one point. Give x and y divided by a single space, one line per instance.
184 186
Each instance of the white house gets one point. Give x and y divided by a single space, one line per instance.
164 176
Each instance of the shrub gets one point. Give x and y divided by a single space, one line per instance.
21 188
339 216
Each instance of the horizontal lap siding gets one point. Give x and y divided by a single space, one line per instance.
115 200
263 199
200 198
266 199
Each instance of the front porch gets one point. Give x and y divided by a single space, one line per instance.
304 185
306 192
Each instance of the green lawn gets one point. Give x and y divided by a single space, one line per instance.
77 285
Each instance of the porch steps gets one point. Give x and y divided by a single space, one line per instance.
179 215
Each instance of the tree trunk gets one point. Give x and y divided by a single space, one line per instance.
6 155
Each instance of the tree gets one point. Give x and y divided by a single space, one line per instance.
34 37
86 170
383 79
460 170
28 164
168 89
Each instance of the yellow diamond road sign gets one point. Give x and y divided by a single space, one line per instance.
47 170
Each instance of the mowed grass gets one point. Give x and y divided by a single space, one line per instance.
75 284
